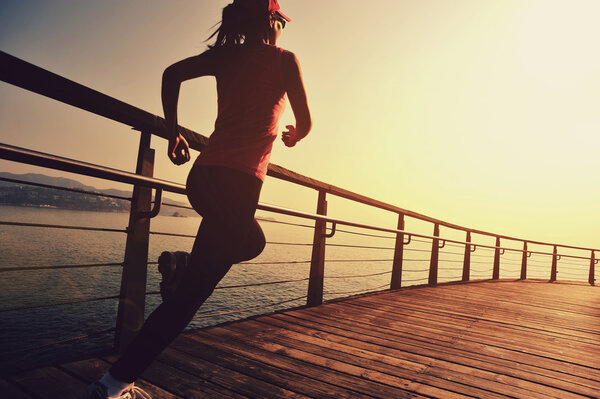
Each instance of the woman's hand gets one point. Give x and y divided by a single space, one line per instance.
179 150
290 136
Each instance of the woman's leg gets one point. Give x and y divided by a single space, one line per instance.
251 246
239 237
228 234
171 317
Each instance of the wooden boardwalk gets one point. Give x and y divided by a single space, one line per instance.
491 339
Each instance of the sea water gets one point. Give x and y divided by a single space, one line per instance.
286 257
351 267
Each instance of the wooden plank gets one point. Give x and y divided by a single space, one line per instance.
88 370
211 348
537 340
48 383
529 322
93 369
447 317
379 357
529 332
378 318
9 390
447 354
230 379
350 385
400 335
185 384
524 317
526 301
572 293
323 356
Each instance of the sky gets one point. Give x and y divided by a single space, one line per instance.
479 113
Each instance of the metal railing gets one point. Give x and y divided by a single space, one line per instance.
143 208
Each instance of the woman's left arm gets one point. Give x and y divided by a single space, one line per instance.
173 76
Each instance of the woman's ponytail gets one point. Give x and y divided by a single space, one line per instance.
236 25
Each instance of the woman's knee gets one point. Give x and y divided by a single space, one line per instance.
260 244
251 247
195 189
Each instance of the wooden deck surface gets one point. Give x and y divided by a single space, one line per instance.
526 339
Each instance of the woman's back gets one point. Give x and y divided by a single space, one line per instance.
250 88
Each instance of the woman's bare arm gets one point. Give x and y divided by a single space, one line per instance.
173 76
294 85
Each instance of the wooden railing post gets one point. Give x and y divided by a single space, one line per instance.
553 271
317 263
435 249
398 256
524 262
466 276
592 276
130 314
496 271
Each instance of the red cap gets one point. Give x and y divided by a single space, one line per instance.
262 6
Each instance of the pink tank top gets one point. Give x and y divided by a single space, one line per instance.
251 99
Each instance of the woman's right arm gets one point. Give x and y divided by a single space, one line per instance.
294 84
173 76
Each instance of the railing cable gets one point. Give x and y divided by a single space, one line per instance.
176 205
160 233
450 268
562 262
58 226
289 243
414 280
482 262
27 268
482 271
293 262
359 246
358 275
225 287
451 253
417 250
286 223
356 260
207 315
364 290
365 234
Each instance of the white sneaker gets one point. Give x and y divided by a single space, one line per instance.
97 390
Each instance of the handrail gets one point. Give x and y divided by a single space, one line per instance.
37 158
38 80
47 160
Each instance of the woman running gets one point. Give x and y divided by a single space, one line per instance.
253 76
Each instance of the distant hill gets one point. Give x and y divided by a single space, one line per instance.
17 194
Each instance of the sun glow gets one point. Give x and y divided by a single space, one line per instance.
482 113
558 45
